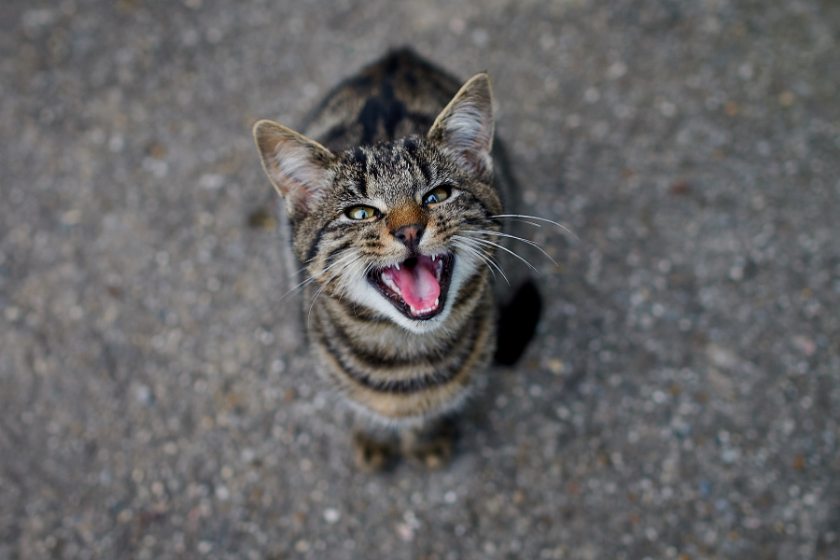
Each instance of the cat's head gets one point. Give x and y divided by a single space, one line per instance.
398 227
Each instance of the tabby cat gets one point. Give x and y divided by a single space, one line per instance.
395 215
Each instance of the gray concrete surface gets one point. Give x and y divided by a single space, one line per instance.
681 400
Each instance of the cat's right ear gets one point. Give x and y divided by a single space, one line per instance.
299 168
465 126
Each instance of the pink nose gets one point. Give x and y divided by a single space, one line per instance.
410 235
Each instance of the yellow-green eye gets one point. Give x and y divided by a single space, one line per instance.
362 213
438 194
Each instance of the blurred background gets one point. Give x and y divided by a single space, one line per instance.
680 399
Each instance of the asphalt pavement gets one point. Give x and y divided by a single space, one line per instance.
681 399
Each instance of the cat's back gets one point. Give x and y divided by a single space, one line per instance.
399 95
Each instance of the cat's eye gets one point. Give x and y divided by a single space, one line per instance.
362 213
437 194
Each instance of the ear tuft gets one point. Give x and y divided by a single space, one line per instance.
299 168
465 126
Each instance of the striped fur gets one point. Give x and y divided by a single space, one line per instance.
383 140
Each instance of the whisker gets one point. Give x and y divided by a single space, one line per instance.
532 267
476 255
527 241
470 243
363 275
537 218
325 284
512 219
482 255
320 274
294 290
308 261
297 288
296 272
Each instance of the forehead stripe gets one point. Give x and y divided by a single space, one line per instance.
361 159
411 149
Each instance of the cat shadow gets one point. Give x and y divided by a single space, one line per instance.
517 324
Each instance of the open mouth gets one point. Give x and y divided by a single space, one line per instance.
417 286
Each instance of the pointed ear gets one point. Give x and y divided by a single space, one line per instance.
297 166
465 126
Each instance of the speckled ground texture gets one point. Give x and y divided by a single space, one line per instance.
681 399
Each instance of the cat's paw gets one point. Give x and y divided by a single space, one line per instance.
433 455
429 449
372 455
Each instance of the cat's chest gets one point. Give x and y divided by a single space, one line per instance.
396 375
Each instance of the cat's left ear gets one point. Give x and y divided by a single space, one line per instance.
299 168
465 126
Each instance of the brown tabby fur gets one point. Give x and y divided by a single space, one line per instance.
384 139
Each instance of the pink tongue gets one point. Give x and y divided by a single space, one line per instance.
418 285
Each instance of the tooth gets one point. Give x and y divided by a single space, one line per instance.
433 258
437 302
397 266
391 284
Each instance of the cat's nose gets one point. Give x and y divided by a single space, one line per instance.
410 235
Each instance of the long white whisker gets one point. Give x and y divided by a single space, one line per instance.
552 222
363 275
296 289
325 284
512 219
473 245
483 256
475 253
531 243
342 263
532 267
298 271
